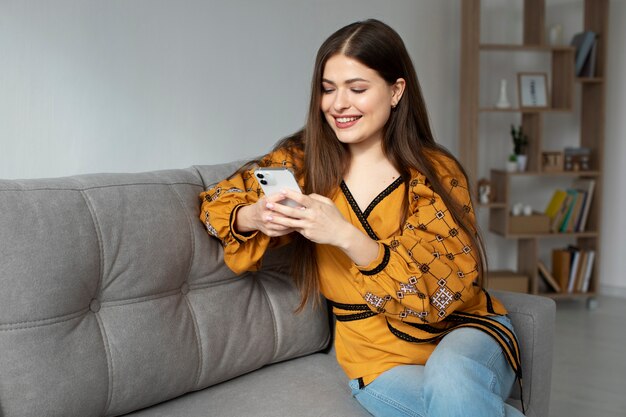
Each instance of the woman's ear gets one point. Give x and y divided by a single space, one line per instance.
397 90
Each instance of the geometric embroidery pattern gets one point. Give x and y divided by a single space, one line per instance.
406 289
408 312
376 301
208 225
442 298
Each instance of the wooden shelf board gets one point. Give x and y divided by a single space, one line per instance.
544 235
547 174
525 110
525 48
589 80
567 295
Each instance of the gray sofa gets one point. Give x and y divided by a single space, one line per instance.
114 300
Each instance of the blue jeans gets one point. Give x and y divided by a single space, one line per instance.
467 375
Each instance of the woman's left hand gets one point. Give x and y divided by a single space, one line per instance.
319 220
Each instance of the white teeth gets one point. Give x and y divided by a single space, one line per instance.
346 119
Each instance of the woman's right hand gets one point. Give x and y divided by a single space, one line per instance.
256 216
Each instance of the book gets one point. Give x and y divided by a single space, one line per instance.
561 260
573 268
589 67
572 218
588 270
580 271
555 203
572 198
555 224
547 277
582 41
586 185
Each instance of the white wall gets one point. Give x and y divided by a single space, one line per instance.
613 244
93 86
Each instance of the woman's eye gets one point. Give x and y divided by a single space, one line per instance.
358 90
327 90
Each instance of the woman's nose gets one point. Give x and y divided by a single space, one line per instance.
341 101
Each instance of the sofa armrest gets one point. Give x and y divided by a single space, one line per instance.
533 318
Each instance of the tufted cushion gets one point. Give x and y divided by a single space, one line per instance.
113 297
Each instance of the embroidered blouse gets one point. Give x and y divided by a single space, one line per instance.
420 287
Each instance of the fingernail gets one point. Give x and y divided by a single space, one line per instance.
269 206
270 218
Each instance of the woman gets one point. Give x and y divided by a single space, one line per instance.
384 230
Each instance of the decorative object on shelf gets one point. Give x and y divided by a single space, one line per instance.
521 209
520 140
485 193
532 90
576 159
522 161
511 163
503 100
555 34
552 161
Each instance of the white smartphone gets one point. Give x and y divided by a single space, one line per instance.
273 180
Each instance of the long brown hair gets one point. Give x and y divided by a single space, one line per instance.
408 140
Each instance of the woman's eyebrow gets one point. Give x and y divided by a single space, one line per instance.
350 81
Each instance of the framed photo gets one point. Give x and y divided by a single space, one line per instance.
533 90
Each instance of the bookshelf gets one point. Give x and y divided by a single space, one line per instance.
531 247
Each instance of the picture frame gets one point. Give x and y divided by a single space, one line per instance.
533 90
552 161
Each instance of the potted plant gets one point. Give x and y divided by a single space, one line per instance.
520 140
511 163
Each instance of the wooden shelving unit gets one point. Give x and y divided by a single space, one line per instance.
563 88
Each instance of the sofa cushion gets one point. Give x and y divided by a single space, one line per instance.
114 297
310 386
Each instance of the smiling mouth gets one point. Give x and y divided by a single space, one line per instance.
346 121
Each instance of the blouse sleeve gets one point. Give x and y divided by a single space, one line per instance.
427 271
220 203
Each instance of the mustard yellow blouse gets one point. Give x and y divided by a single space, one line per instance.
420 287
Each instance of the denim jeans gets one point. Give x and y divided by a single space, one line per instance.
467 375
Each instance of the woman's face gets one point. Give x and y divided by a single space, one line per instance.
356 101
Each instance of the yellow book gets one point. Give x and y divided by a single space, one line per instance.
555 203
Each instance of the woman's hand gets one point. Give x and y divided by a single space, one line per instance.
319 220
257 216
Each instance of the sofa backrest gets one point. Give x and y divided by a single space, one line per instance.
113 297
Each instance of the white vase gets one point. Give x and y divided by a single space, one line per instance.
521 162
503 100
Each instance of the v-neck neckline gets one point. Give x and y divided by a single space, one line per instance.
363 215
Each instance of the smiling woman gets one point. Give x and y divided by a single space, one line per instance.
385 231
